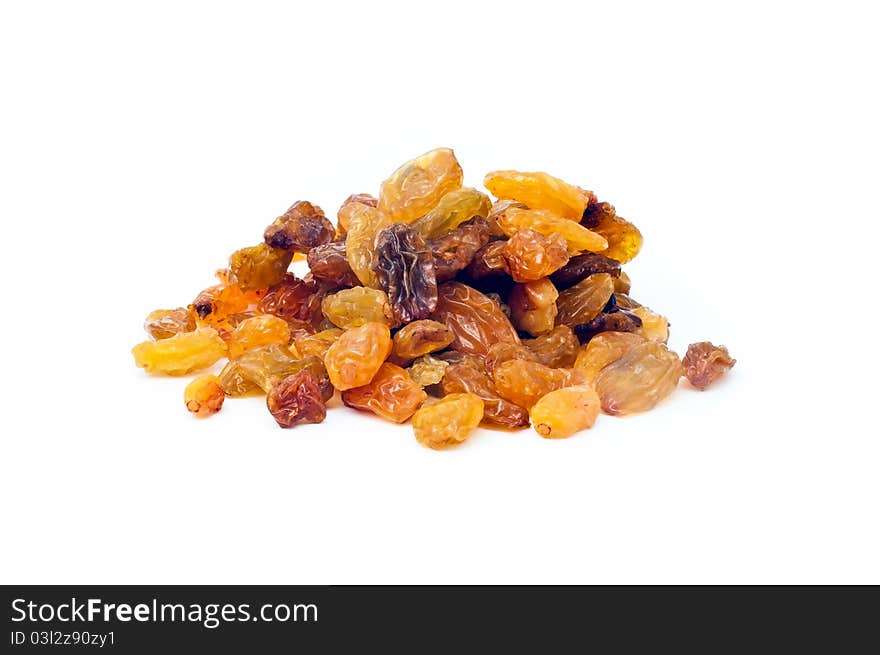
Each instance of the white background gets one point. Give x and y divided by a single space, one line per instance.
141 143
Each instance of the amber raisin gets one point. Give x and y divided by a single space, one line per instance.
533 306
583 302
427 371
476 322
562 412
448 421
417 187
302 227
557 348
343 216
641 378
582 266
504 352
165 323
704 363
604 349
654 326
261 330
296 399
365 223
489 261
391 394
181 354
624 239
454 208
328 263
538 191
293 300
353 359
576 236
353 307
455 250
259 266
619 320
204 396
420 338
524 382
465 377
315 344
531 256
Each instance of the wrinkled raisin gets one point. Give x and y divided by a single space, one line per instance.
538 191
583 302
302 227
465 377
556 349
448 421
562 412
524 382
204 396
391 394
296 399
641 378
259 266
404 267
353 307
476 322
455 250
417 187
420 338
704 363
454 208
165 323
582 266
328 263
353 359
533 306
183 353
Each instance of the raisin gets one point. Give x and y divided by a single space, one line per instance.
582 266
622 283
489 261
576 236
604 349
583 302
556 349
353 359
268 365
476 322
204 396
259 266
293 299
420 338
214 305
456 249
620 320
328 263
302 227
417 187
504 352
533 306
365 222
260 330
538 191
562 412
405 270
449 421
465 377
315 344
454 208
234 382
165 323
624 239
353 307
343 216
524 382
641 378
654 326
391 394
183 353
704 363
427 371
296 399
531 256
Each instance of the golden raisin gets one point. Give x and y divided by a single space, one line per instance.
427 371
365 223
576 236
641 378
531 256
561 413
654 326
315 344
258 267
165 323
449 421
261 330
624 239
391 394
343 216
704 363
524 382
181 354
417 187
469 376
204 396
476 321
557 348
452 210
583 302
353 307
420 338
355 357
302 227
538 191
533 306
603 349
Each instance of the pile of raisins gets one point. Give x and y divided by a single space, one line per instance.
436 304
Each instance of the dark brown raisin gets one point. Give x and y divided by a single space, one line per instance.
302 227
405 268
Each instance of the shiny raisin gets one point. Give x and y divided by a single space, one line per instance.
604 349
576 236
465 377
353 307
404 267
533 306
524 382
261 330
420 338
302 227
417 187
582 266
538 191
448 421
328 263
204 396
476 322
296 399
641 378
259 266
353 359
557 348
562 412
165 323
704 363
183 353
583 302
454 208
531 256
391 394
624 239
455 250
